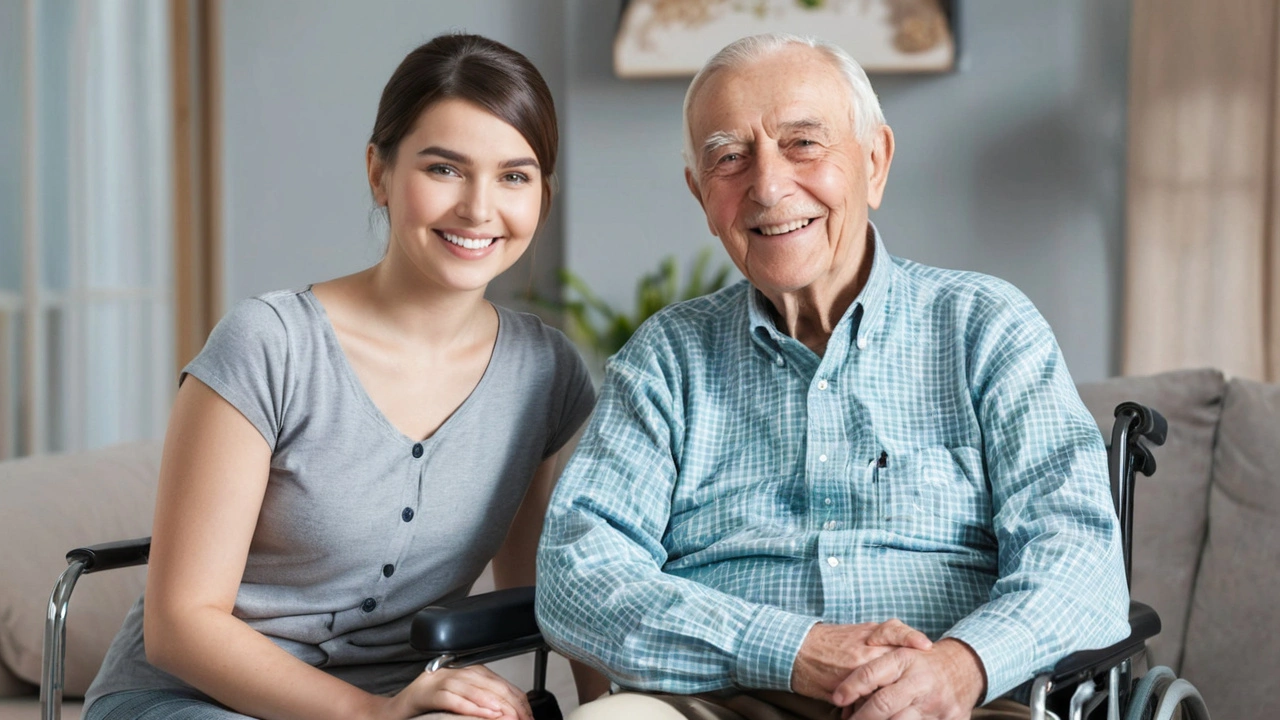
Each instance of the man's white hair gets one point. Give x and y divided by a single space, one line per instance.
867 115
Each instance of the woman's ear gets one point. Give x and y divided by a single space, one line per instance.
376 168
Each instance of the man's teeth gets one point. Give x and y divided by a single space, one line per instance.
468 243
780 229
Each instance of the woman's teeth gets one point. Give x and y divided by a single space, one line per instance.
468 243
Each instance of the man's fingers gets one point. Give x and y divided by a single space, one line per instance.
888 703
896 632
862 682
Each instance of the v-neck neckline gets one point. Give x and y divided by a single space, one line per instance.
358 388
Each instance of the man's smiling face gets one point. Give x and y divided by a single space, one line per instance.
783 179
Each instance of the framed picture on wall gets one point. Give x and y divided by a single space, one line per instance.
673 38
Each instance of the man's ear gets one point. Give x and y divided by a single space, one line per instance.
376 169
878 162
697 195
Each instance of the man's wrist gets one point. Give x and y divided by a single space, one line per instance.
968 675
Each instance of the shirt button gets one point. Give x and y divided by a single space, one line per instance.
780 361
826 501
862 343
830 561
829 525
369 603
406 514
822 458
822 384
388 570
417 450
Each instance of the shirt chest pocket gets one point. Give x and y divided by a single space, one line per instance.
937 494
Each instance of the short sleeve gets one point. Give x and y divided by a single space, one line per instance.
573 382
245 360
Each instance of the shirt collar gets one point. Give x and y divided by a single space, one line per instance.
865 320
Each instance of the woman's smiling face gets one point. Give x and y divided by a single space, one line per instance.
463 195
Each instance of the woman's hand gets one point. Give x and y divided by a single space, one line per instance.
476 691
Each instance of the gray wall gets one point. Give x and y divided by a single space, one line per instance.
1012 166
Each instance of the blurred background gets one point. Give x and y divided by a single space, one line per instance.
161 159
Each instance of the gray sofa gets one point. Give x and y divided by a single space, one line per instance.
1207 546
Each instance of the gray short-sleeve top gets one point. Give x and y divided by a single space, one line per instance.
360 525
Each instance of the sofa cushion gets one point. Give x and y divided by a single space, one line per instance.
10 685
1169 513
49 505
1233 650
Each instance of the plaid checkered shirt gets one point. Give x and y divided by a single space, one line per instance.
733 488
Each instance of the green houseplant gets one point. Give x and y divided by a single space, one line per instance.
602 330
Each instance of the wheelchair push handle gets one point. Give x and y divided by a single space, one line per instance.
1145 422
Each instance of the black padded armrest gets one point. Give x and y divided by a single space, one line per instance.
108 556
1144 623
474 623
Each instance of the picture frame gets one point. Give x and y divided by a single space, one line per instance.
674 38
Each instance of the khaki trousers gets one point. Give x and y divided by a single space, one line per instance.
757 705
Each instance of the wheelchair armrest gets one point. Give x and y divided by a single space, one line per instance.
108 556
1144 624
479 628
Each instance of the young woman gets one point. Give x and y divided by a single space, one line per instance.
340 456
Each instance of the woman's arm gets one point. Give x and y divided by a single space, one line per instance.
514 565
213 477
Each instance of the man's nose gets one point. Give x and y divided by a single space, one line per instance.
772 179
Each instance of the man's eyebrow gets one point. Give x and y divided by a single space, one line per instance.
719 139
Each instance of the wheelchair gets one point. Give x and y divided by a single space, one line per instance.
479 629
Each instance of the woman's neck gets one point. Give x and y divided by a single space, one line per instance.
422 312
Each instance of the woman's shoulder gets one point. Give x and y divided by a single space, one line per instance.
529 345
279 312
530 332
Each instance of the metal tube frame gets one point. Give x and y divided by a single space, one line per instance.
53 662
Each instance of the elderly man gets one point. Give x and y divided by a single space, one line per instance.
850 485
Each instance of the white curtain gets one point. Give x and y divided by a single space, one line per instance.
86 340
1204 188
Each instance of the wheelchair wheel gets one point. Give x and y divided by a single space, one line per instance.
1147 693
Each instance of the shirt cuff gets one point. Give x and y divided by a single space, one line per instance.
1005 646
769 647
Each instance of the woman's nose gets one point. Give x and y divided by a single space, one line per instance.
476 203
